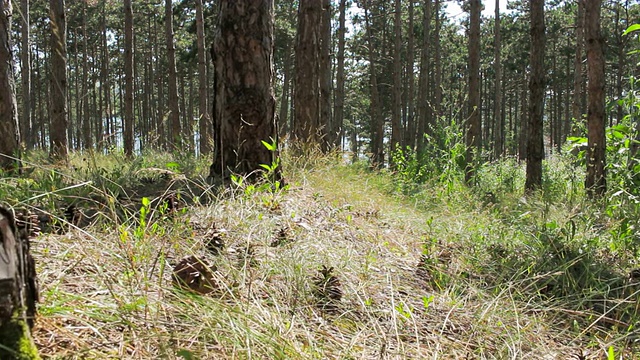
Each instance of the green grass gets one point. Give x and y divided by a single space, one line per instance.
434 270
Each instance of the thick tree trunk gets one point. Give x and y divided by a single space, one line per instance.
377 123
160 123
128 74
329 131
87 139
473 134
307 125
438 62
410 125
535 144
595 181
9 131
18 290
396 112
25 61
338 112
244 104
204 117
576 104
175 138
497 104
59 115
423 85
105 85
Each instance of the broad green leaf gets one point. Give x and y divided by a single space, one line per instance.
632 28
270 147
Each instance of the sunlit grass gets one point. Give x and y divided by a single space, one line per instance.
447 271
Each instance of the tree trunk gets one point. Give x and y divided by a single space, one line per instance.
244 103
18 291
329 132
174 105
204 119
283 114
535 143
473 135
595 183
160 123
128 74
307 126
497 104
9 130
523 134
577 72
58 130
410 126
105 136
338 112
25 60
438 62
423 85
396 112
87 142
377 123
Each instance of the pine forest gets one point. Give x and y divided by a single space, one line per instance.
319 179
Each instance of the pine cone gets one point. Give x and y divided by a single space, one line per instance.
282 237
328 292
215 240
194 274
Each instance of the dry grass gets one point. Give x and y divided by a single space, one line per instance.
107 292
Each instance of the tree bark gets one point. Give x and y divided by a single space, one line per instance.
59 115
283 114
160 120
377 123
473 135
87 142
128 74
329 130
18 289
523 134
338 112
105 119
203 103
174 105
577 72
497 104
307 125
410 126
396 112
438 62
244 103
535 144
595 182
25 61
9 130
423 85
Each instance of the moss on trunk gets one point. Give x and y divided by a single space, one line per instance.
15 340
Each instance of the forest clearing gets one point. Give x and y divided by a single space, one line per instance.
317 179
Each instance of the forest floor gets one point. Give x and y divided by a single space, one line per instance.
342 263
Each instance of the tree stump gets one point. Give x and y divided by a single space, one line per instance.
18 291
